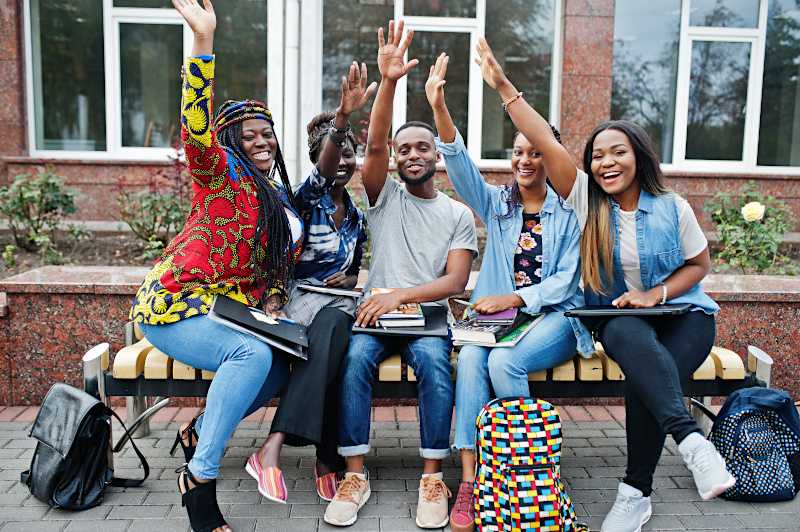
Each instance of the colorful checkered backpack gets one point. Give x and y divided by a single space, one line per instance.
518 483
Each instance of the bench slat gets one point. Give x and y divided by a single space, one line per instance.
590 369
390 369
207 375
538 376
182 372
565 372
410 374
157 365
727 364
129 362
706 371
611 370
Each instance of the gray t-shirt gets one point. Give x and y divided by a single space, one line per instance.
412 236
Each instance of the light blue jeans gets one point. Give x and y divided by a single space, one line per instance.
247 376
505 369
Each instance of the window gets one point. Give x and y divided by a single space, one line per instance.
105 75
716 83
523 34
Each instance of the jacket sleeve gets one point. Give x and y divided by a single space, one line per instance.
207 160
467 179
310 191
560 286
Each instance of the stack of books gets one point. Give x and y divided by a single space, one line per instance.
407 315
502 329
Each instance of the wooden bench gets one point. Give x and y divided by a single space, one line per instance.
141 371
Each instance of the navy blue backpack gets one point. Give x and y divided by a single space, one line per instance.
757 432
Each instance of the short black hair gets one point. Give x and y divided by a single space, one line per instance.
415 123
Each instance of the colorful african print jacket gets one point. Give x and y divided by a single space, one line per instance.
212 254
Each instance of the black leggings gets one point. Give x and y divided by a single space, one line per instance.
308 412
657 355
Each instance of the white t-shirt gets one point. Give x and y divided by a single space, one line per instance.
693 241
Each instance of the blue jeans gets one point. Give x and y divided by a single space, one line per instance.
429 357
506 369
247 376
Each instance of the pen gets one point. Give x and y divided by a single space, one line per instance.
463 302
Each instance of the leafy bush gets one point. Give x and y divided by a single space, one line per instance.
35 207
157 214
750 227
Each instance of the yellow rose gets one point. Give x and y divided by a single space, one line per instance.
753 211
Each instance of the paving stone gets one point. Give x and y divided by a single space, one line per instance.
362 525
285 525
139 512
98 526
664 522
165 525
22 513
706 522
91 514
36 526
769 520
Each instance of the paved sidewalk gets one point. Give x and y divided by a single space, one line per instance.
594 459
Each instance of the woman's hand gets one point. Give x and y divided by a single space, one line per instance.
434 87
341 280
636 299
491 70
273 306
355 92
391 60
202 20
492 304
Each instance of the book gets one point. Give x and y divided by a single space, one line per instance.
281 333
330 290
503 317
407 312
435 325
413 322
468 332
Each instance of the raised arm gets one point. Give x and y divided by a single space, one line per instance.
392 66
558 162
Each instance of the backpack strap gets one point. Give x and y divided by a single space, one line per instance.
130 482
704 409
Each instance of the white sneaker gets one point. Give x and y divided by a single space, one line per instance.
630 512
707 466
432 503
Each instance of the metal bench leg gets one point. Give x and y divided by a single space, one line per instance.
760 364
135 407
699 416
94 384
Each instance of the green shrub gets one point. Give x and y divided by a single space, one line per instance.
750 227
9 257
35 207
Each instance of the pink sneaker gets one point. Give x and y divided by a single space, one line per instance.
270 480
462 516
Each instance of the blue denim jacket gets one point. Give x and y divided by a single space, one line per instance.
660 253
558 290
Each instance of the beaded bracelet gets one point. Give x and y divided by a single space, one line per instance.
511 100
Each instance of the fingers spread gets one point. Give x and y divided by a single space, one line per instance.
411 64
381 41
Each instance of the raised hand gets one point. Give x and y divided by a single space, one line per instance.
391 53
434 87
491 70
202 20
355 92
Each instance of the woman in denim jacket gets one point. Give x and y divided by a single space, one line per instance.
531 262
641 246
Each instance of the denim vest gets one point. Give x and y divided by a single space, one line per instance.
559 289
660 252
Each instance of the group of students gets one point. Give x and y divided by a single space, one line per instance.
251 237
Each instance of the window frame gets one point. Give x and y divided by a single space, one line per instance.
112 18
756 37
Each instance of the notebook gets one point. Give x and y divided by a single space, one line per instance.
283 334
330 290
610 310
509 338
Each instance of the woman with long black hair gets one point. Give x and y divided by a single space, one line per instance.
641 246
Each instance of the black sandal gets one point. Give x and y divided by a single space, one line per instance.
200 502
188 450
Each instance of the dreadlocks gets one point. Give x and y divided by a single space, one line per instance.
274 265
514 196
318 129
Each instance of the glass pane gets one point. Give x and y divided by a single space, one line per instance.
779 139
724 13
240 46
150 83
349 33
426 46
441 8
645 68
147 3
717 100
521 34
69 77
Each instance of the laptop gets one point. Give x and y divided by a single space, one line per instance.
673 309
435 325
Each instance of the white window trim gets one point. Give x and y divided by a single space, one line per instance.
112 17
756 37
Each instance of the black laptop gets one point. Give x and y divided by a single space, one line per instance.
610 311
435 325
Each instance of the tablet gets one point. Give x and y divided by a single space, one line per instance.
610 310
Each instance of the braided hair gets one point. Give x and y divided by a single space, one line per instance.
514 197
273 265
318 129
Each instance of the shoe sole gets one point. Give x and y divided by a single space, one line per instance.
440 525
458 528
719 489
355 517
252 473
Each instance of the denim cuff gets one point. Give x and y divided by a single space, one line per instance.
430 454
353 450
455 447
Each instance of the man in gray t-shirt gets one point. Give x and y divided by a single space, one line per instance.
423 244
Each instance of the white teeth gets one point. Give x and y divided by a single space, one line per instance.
610 175
263 156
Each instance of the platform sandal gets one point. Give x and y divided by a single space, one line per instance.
200 502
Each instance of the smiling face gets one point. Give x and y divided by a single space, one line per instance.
416 155
527 165
347 165
613 162
259 143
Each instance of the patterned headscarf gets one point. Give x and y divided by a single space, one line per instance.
235 111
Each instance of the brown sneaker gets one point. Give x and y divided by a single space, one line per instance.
432 503
353 492
462 516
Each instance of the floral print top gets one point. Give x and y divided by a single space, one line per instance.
528 256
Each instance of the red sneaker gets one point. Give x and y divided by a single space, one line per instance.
462 516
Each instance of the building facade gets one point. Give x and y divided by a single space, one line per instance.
91 87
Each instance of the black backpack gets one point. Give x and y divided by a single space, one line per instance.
70 466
